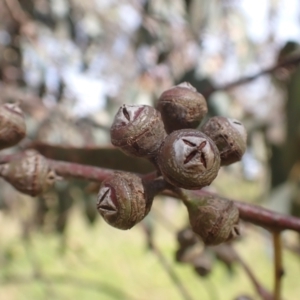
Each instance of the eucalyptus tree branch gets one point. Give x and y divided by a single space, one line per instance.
258 215
278 268
74 281
16 11
248 212
292 60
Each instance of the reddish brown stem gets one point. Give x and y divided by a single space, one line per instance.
248 212
79 171
278 268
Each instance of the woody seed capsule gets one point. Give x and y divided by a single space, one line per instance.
214 219
123 201
138 130
12 125
189 159
31 174
182 107
230 137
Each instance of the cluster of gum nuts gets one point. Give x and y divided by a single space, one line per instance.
186 158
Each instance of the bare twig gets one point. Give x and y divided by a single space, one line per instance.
178 283
293 60
263 293
79 171
16 11
278 268
77 282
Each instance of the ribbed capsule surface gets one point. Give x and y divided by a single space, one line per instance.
123 201
182 107
189 159
12 125
30 174
214 219
229 135
138 130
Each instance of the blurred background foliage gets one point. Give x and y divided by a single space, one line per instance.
71 64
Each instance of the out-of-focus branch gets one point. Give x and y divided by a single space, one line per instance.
78 171
293 60
16 11
178 283
278 268
77 282
29 102
262 292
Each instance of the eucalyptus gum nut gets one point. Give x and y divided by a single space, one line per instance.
123 201
214 219
203 263
189 159
12 125
30 174
230 137
138 130
182 107
186 237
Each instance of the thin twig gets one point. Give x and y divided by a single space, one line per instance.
278 268
178 283
16 11
293 60
264 294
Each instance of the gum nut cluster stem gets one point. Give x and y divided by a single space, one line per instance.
123 200
31 174
229 135
138 130
189 159
214 219
182 107
12 125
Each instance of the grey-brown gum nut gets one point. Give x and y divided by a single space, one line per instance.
138 130
122 200
240 128
189 159
31 174
230 137
12 125
215 220
182 107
